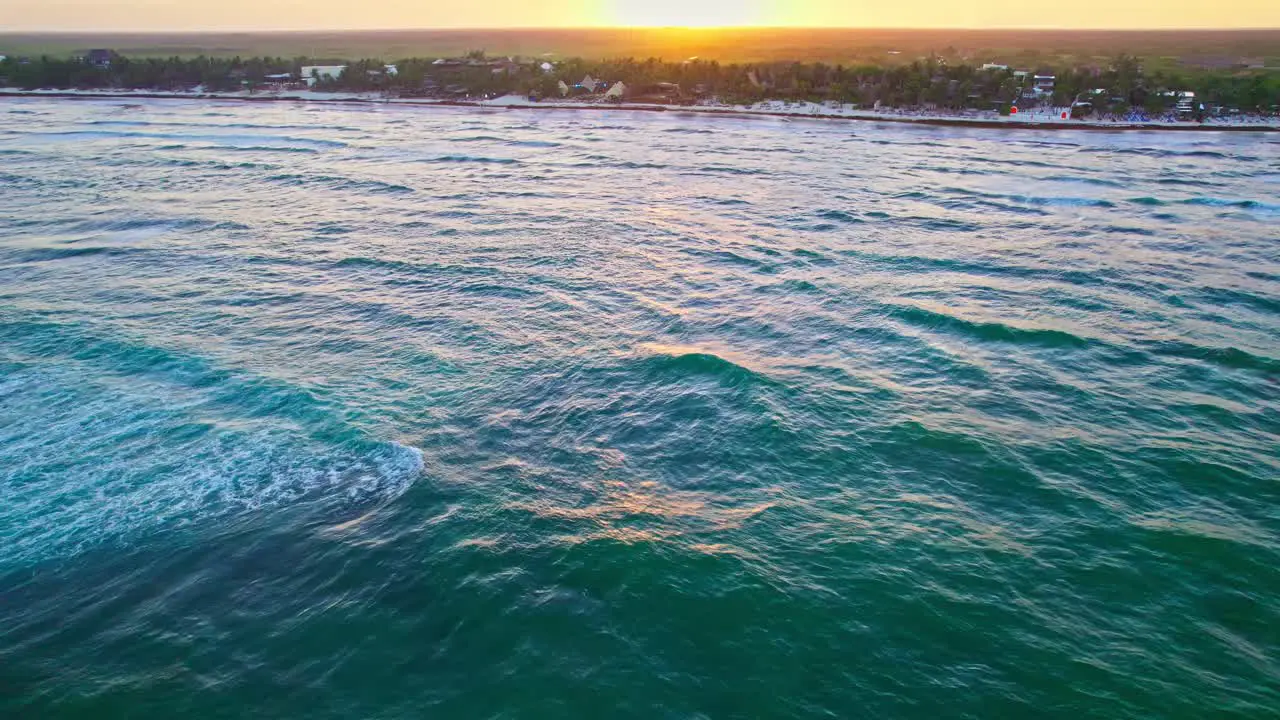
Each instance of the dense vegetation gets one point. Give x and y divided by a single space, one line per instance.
931 81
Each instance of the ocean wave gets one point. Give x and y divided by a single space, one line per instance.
1088 180
254 148
337 182
413 268
840 216
1228 357
216 126
235 442
27 182
1170 153
534 143
477 138
473 159
663 362
1231 203
729 170
986 331
1186 181
216 140
51 254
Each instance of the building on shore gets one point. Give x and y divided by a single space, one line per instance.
278 81
311 74
99 58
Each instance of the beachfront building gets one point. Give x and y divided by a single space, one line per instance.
564 89
99 58
278 81
312 74
617 92
1044 84
993 66
1186 104
589 84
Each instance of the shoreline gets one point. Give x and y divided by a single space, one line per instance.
517 103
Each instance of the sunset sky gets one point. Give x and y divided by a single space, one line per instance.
334 14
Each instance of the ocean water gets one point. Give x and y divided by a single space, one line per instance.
379 412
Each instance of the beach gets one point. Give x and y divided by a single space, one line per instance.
1044 118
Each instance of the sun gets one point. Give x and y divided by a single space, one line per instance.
686 13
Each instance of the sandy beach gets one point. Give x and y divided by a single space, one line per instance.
1044 118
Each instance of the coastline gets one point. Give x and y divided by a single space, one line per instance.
804 111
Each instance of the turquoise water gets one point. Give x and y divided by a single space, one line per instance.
377 412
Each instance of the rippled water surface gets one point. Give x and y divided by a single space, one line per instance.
379 412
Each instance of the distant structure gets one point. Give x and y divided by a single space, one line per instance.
994 66
99 58
617 92
589 84
313 73
1186 104
1044 83
659 93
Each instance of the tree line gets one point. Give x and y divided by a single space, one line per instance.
926 82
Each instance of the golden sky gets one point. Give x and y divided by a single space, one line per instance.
391 14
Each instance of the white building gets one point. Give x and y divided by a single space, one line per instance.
994 66
391 70
564 89
312 73
617 91
590 83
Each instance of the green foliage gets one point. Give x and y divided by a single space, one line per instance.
932 81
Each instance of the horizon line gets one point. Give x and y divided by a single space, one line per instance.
682 28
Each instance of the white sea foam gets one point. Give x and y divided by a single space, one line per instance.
95 463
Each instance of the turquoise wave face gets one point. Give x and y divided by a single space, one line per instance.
324 411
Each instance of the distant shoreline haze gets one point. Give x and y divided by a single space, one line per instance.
831 45
163 15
